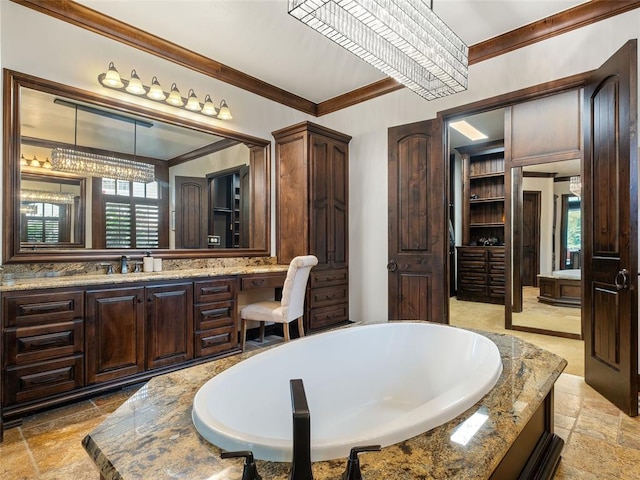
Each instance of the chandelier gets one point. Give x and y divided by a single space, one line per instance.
112 79
575 185
102 166
72 160
46 196
403 38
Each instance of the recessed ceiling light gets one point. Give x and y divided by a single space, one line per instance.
468 130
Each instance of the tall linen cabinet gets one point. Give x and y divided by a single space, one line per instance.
312 193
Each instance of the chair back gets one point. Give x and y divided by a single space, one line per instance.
295 285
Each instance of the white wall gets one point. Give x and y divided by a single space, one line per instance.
76 57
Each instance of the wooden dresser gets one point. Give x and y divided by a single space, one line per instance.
481 274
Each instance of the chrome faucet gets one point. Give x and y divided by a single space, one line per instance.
124 264
301 463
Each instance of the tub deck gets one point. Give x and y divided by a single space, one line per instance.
152 434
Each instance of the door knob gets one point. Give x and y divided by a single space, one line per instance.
392 266
621 279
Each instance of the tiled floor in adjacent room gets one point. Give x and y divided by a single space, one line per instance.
602 443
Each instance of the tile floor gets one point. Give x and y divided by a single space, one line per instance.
601 443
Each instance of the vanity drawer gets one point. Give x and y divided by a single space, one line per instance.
39 380
210 342
325 317
328 278
215 315
208 291
275 280
322 297
32 344
39 309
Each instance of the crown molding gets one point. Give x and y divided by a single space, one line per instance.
76 14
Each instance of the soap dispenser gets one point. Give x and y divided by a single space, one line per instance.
147 263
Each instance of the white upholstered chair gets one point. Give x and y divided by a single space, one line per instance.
290 308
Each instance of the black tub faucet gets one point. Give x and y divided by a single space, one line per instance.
301 463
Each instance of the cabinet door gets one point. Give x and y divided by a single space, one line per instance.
114 333
169 330
339 222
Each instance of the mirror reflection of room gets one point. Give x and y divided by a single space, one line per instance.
60 209
551 248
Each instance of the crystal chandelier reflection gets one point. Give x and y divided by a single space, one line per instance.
575 185
403 38
103 166
46 196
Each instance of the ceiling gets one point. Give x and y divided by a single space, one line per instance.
259 38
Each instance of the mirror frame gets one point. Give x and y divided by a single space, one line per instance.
260 153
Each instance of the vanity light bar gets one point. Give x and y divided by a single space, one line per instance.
111 79
46 196
103 166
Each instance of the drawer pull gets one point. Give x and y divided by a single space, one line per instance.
211 290
258 282
215 313
46 307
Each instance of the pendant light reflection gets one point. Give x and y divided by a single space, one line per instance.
134 86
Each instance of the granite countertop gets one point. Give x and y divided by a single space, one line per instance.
117 278
152 434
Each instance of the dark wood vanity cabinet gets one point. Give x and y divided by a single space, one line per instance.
215 316
312 191
43 344
115 333
169 329
61 344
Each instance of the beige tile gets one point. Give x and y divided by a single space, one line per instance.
564 421
629 434
601 458
598 404
49 416
61 447
567 472
32 428
563 433
598 425
567 404
80 470
16 462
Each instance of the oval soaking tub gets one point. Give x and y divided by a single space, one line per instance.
373 384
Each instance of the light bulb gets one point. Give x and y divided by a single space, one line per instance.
135 84
174 96
224 113
112 77
209 108
193 103
155 91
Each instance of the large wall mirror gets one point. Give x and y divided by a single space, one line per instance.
546 256
77 182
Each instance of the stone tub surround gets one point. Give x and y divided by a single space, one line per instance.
152 435
76 274
22 272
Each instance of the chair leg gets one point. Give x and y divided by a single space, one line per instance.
285 329
243 332
261 332
300 327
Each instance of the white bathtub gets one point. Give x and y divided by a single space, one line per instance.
374 384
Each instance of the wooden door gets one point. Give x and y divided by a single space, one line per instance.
530 238
191 212
418 237
610 230
114 334
169 330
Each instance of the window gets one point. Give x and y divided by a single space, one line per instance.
131 214
42 223
571 232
